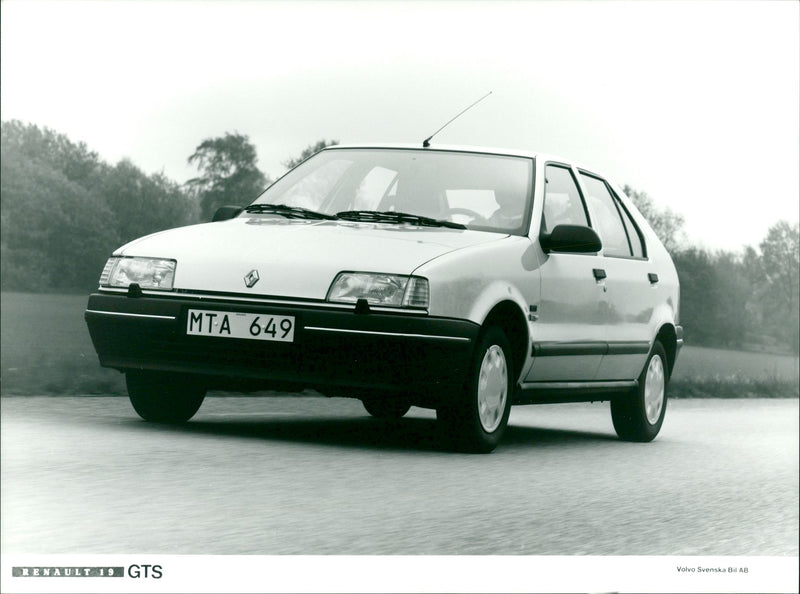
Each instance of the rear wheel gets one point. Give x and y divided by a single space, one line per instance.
390 407
163 397
639 416
477 419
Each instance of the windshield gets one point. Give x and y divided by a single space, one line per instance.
482 192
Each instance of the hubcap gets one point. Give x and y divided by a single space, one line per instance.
492 388
654 390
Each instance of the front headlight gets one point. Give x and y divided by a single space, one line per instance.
392 290
148 273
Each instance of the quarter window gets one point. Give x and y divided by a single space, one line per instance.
605 217
562 199
633 232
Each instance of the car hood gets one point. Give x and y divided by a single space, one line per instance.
295 258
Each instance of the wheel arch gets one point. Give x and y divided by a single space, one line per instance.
668 337
508 316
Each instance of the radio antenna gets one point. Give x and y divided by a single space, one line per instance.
427 142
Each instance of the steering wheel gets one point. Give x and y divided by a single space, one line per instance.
468 212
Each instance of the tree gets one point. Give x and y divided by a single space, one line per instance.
729 294
696 274
309 151
75 161
64 210
55 233
144 204
667 224
778 282
780 256
228 173
716 298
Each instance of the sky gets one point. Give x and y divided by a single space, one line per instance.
697 104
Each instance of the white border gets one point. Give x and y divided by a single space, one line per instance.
356 574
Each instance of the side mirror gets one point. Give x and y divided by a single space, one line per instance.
572 239
226 212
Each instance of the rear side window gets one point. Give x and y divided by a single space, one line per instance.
606 218
562 199
634 235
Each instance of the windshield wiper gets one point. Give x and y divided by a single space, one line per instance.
388 216
290 212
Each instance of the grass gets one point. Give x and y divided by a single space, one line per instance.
718 373
45 349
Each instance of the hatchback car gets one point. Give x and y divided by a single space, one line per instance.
459 279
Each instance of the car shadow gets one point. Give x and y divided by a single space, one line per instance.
523 436
409 434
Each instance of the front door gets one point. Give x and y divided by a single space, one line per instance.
569 332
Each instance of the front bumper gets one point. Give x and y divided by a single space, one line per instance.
333 347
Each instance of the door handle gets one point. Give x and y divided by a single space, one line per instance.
599 273
652 277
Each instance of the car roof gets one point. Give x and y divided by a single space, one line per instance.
462 148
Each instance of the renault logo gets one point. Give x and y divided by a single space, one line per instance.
251 278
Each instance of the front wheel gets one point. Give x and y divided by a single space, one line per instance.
162 397
639 416
477 419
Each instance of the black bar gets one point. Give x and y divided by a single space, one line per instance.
628 348
559 349
70 571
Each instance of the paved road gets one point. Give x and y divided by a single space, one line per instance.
317 476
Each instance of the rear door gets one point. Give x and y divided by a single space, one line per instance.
630 282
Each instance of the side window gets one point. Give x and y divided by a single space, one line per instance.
606 219
634 235
562 200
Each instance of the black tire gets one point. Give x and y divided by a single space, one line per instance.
388 407
476 420
162 397
638 416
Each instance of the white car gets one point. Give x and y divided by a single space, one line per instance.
460 279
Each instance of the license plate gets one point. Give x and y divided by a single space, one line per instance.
230 324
